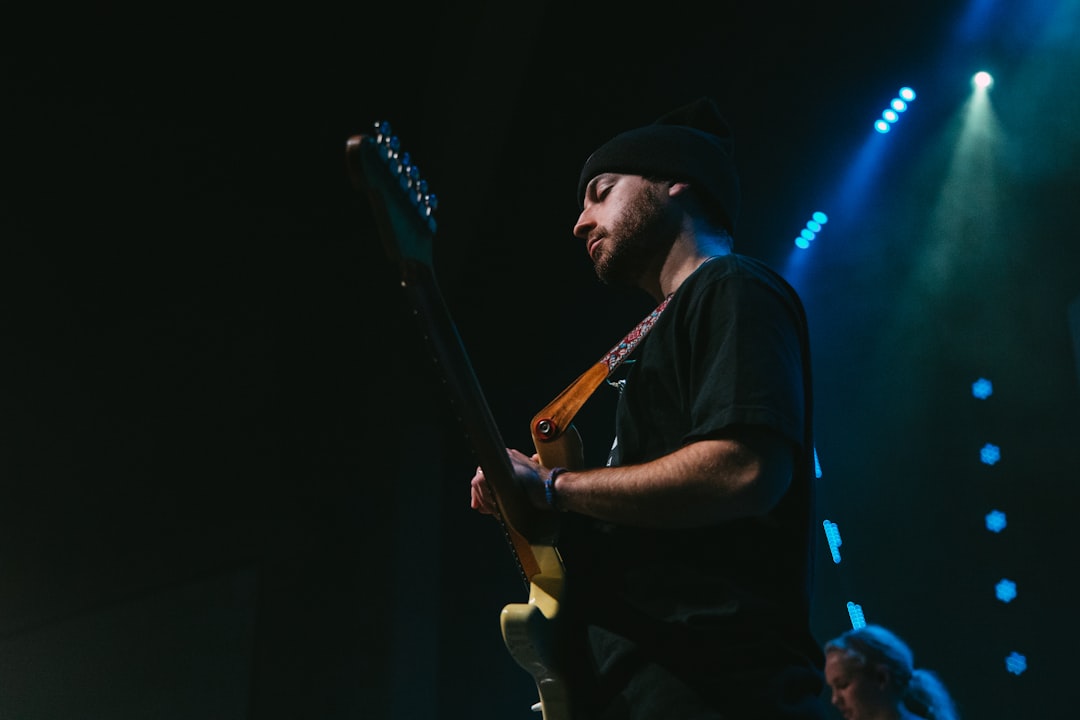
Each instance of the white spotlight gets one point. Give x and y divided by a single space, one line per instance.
983 80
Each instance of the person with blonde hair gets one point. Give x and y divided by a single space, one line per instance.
871 672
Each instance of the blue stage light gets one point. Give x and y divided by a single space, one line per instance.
990 454
832 535
995 521
982 388
1016 663
855 612
813 226
896 106
1005 590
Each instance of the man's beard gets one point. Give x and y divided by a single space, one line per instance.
639 242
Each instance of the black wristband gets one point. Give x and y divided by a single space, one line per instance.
549 487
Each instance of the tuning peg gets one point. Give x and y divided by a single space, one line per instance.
388 149
414 184
404 169
396 158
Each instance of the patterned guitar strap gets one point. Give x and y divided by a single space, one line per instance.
555 418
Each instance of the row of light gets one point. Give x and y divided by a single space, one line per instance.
892 113
1005 589
811 230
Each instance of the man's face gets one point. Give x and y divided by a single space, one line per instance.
628 224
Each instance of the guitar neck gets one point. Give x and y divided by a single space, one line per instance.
404 211
439 330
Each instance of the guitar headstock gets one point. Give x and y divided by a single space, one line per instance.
404 210
404 206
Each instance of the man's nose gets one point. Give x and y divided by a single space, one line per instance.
584 225
581 228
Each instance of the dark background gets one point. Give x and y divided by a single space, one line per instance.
232 486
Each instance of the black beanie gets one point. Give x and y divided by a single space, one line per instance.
692 144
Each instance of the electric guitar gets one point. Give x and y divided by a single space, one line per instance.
404 210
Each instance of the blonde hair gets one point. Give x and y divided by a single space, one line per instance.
921 690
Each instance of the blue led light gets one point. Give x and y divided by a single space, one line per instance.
990 454
813 227
1016 663
817 464
832 534
982 388
897 105
855 612
1005 590
995 521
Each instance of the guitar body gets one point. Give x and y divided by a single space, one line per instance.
404 211
529 629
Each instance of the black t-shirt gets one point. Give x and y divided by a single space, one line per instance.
730 349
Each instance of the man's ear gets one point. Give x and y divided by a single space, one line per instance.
678 188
